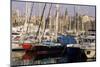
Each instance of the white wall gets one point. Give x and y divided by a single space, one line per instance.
5 33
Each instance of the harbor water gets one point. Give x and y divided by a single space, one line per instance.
26 59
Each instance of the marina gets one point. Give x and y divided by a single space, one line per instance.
52 34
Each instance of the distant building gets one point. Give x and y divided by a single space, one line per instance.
88 22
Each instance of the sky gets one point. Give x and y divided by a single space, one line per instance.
38 8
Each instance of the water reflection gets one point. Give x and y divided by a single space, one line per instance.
22 58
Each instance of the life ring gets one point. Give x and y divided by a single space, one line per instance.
90 53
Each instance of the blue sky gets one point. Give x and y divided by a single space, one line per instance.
38 7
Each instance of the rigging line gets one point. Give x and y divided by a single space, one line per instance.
40 21
49 10
30 17
47 19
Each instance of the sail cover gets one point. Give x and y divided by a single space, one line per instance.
64 40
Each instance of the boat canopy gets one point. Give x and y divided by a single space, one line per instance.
64 40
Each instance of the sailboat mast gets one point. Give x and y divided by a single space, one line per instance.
27 11
77 22
75 19
26 20
69 22
49 18
57 17
26 16
29 17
